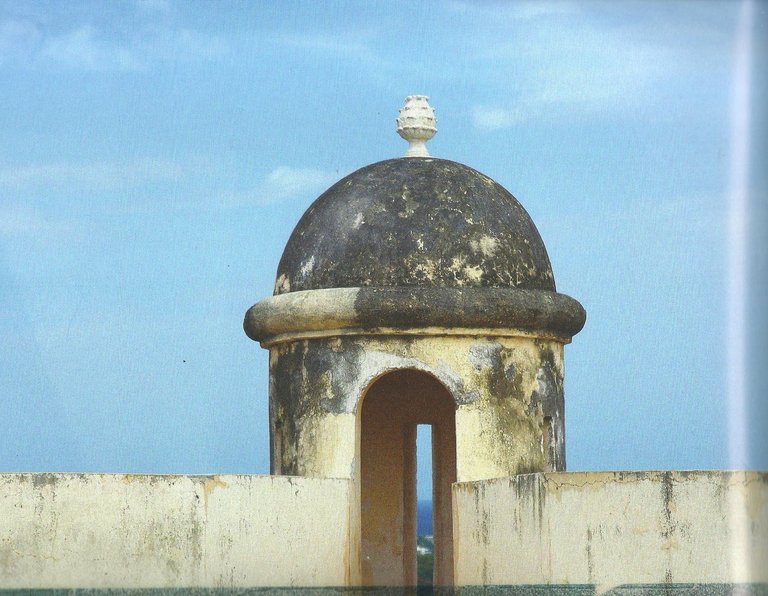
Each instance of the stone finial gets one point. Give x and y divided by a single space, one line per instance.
416 124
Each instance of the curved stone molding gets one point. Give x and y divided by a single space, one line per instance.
423 311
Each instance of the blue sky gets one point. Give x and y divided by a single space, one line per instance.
156 156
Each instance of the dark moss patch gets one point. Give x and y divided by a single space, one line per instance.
435 215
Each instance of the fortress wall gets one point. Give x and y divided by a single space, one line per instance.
132 531
612 528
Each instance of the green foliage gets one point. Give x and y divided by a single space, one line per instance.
425 564
425 561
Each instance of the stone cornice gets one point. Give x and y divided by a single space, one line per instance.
414 311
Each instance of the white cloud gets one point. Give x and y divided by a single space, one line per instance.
285 183
22 222
566 61
98 175
518 11
154 6
675 217
188 44
337 44
587 80
18 39
538 9
80 48
138 46
355 46
494 118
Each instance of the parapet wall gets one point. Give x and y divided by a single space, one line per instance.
612 528
141 531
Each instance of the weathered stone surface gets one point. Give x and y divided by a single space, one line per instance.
668 528
508 394
425 265
149 531
414 311
421 222
412 285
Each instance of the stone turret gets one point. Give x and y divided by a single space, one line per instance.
414 291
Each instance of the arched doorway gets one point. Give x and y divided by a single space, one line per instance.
390 411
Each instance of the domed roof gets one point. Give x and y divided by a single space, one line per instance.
415 222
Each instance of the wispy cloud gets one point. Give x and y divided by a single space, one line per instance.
356 46
18 39
140 44
592 77
284 183
100 175
80 48
154 6
337 44
188 44
19 222
564 60
519 11
494 118
694 217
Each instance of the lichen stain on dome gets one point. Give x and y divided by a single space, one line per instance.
487 245
415 222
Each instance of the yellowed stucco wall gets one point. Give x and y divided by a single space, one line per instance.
505 389
612 528
133 531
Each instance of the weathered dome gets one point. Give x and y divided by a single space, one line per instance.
415 222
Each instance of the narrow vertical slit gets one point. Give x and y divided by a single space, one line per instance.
424 534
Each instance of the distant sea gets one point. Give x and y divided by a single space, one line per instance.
424 518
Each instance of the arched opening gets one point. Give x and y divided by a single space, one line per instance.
390 412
